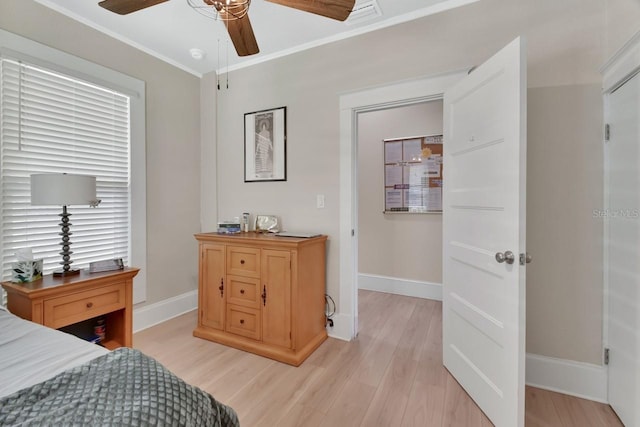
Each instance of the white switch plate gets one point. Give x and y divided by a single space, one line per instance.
320 201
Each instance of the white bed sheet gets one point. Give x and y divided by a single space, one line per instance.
31 353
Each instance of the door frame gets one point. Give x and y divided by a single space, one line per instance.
396 94
621 67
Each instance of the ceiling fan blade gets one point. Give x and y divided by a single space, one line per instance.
241 34
124 7
334 9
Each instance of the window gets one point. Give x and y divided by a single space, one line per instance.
54 121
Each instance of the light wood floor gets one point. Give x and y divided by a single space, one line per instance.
391 375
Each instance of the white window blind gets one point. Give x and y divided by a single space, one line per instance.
50 122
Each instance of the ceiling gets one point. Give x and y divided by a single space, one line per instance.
170 30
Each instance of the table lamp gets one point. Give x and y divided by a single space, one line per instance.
64 189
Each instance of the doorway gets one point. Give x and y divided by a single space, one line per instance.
351 105
393 256
498 133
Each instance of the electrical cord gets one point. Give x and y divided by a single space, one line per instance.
330 309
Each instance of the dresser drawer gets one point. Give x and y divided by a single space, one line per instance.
244 321
243 261
244 291
78 306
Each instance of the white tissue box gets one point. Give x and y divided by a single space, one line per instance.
26 271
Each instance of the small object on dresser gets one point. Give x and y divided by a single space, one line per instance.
267 224
26 271
245 222
107 265
229 227
99 329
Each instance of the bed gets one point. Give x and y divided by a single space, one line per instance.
48 377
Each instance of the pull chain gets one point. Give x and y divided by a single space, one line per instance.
218 65
227 64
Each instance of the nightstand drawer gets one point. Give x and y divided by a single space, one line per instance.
78 306
243 261
244 291
243 321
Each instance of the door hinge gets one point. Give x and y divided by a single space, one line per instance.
606 356
607 132
353 232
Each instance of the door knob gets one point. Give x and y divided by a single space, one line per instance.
506 256
525 258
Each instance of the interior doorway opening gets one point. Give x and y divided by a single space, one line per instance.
351 105
399 252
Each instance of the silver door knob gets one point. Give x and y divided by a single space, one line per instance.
525 258
506 256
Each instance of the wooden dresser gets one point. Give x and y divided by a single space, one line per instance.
59 302
262 293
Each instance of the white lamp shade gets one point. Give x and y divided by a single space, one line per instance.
62 189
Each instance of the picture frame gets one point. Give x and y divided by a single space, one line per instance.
265 145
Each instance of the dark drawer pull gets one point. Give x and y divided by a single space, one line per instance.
242 291
241 261
242 321
89 304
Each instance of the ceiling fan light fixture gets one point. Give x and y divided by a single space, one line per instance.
235 17
224 10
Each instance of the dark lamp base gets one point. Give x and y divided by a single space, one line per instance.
65 273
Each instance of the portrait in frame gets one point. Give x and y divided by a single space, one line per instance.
265 145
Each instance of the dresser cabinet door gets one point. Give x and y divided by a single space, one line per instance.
276 294
213 288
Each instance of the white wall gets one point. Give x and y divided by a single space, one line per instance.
385 240
564 187
622 22
208 153
173 138
565 50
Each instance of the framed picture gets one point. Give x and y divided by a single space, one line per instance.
265 145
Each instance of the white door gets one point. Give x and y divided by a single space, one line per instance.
483 221
623 219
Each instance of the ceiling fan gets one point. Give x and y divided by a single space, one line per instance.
235 17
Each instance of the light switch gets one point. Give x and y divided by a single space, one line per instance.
320 201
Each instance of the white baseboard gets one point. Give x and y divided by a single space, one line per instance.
566 376
152 314
341 327
392 285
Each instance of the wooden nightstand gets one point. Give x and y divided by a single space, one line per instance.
58 302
